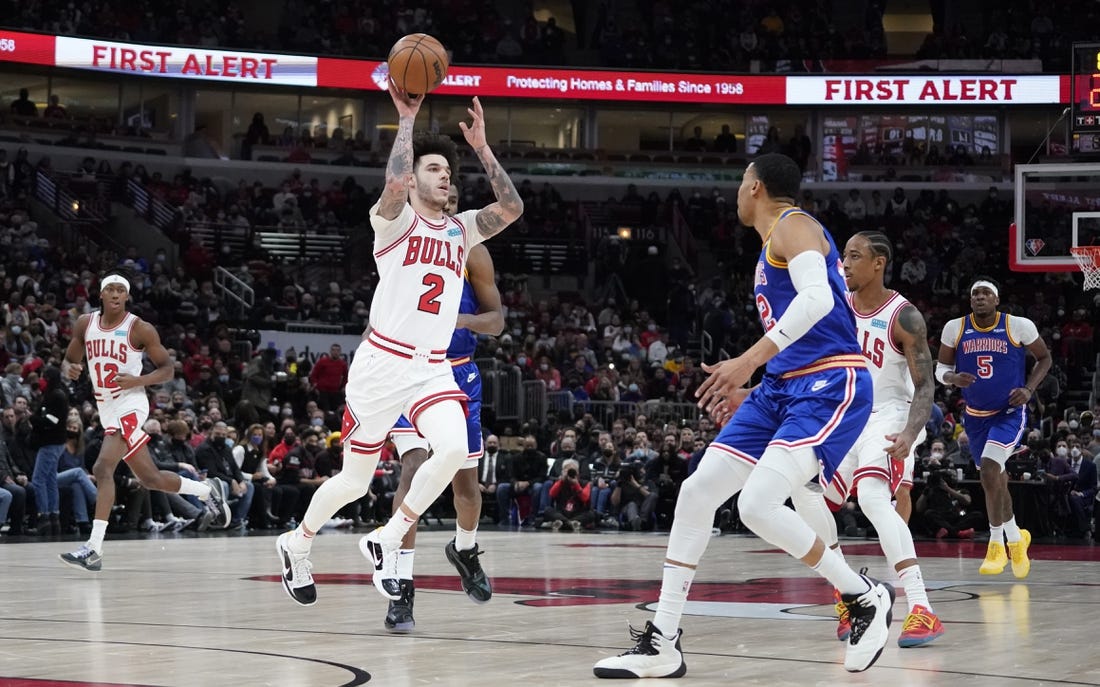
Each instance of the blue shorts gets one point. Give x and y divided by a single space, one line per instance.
468 378
995 436
825 410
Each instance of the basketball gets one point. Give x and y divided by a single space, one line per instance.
418 63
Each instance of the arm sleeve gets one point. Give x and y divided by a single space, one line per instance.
813 301
1022 329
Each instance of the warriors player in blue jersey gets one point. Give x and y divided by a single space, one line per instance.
480 312
793 429
984 355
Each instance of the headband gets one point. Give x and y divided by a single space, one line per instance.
114 279
987 284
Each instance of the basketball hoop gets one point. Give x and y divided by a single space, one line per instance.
1088 258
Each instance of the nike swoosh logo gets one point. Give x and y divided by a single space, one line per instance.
288 571
376 554
785 334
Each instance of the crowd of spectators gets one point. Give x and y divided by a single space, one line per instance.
603 359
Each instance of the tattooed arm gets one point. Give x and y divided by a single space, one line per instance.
911 335
492 219
399 169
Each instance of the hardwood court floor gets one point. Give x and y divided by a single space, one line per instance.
189 610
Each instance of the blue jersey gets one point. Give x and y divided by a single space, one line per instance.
832 335
995 358
464 341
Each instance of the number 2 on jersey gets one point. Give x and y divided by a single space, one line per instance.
105 375
429 302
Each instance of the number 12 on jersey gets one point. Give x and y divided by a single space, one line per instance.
105 375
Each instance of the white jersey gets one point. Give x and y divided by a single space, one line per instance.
893 385
111 352
420 273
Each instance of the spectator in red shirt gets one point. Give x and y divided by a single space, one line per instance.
328 377
549 374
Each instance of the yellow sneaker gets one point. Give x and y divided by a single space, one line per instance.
1021 566
995 559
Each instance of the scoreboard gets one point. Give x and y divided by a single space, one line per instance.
1085 88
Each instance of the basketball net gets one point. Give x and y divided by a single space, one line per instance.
1088 258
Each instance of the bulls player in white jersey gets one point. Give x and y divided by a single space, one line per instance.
115 343
401 367
895 342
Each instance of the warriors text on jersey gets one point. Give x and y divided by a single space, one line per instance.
995 356
889 368
832 335
111 352
420 268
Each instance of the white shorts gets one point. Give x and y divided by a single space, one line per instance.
383 385
407 439
126 416
868 458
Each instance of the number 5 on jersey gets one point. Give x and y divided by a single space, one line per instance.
985 366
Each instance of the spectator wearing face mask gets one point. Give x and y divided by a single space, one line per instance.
250 455
215 455
1082 490
549 374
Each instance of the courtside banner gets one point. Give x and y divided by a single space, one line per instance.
524 82
905 89
28 48
186 63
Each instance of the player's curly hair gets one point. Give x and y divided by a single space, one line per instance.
425 143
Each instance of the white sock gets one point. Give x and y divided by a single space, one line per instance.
915 593
837 551
675 583
405 564
1012 530
95 540
193 488
833 568
997 534
465 539
299 541
394 531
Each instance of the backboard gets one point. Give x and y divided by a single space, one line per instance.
1057 206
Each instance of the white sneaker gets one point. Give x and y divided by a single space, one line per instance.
870 614
384 560
653 655
297 572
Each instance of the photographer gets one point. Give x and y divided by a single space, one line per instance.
942 508
570 499
635 496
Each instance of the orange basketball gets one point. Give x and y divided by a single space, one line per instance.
418 63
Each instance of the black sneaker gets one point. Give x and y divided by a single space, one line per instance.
399 616
84 558
474 582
